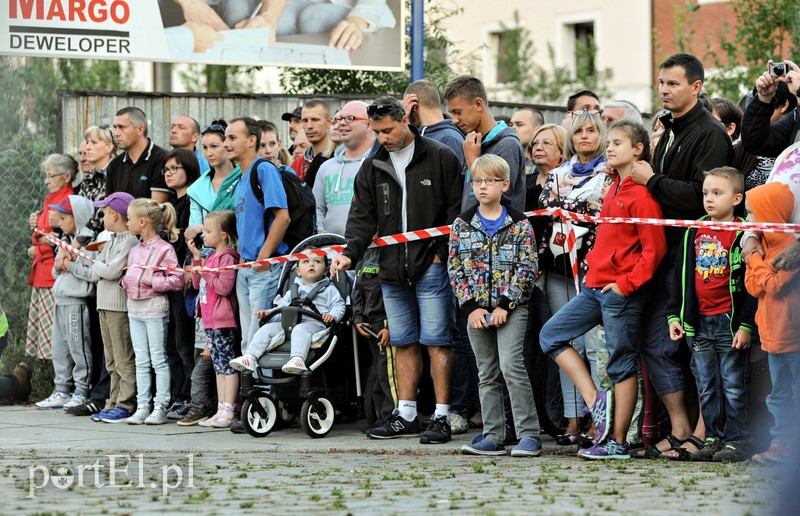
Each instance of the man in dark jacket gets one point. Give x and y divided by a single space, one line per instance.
693 142
411 182
469 107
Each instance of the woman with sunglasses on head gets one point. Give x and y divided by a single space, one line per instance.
58 173
579 185
100 150
214 190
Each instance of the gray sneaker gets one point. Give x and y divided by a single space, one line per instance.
711 446
158 416
139 417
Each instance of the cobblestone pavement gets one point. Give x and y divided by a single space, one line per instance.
120 482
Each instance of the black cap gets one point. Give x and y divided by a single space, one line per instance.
286 117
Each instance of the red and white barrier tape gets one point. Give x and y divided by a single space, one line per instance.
422 234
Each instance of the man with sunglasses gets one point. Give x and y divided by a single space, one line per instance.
333 188
411 182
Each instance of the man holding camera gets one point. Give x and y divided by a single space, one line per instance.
763 138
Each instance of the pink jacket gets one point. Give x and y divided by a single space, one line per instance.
217 298
148 283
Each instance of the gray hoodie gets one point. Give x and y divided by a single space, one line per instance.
333 191
73 286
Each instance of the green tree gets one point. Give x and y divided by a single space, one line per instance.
765 29
533 83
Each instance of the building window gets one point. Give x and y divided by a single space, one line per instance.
585 48
504 45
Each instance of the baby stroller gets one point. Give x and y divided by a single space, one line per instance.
332 381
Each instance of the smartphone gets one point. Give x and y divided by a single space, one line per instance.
488 318
369 331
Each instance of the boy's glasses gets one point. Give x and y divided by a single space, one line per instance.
489 181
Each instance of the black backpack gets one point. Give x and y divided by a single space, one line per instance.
300 201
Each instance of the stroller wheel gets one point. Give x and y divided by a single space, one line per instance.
316 416
256 422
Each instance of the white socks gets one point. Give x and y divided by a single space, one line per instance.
442 410
407 409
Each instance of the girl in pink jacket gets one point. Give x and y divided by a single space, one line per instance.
217 307
148 307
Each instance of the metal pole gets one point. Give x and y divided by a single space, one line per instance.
417 40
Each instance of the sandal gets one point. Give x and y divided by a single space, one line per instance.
683 453
651 451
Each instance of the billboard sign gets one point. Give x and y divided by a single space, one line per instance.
345 34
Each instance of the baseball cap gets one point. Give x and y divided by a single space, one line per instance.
64 206
297 113
101 239
117 201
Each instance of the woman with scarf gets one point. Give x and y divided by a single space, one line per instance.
579 185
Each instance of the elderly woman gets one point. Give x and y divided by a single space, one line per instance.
59 172
579 185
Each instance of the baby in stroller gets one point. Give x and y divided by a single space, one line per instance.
315 292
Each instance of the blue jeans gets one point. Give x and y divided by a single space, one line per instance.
721 373
621 317
255 291
233 11
149 338
784 372
422 313
303 17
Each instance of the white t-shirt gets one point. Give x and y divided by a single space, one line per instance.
400 160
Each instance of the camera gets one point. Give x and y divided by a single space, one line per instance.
776 69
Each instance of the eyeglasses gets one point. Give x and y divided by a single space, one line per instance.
489 181
213 127
48 177
171 170
579 112
349 119
380 110
543 143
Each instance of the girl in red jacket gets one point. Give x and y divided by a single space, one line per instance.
623 260
217 306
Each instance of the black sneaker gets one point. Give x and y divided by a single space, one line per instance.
395 427
87 408
178 410
237 427
732 452
438 431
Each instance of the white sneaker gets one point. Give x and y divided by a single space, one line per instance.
158 416
295 365
458 424
244 363
139 416
54 401
76 400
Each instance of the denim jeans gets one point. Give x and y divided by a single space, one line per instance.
304 17
499 351
422 313
784 372
621 316
233 11
149 338
721 372
255 291
560 290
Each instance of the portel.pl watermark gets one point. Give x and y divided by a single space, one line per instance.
113 470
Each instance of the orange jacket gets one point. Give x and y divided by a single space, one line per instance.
778 315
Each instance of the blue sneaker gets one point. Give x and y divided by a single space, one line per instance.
601 415
511 437
96 417
115 415
527 447
609 450
483 447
